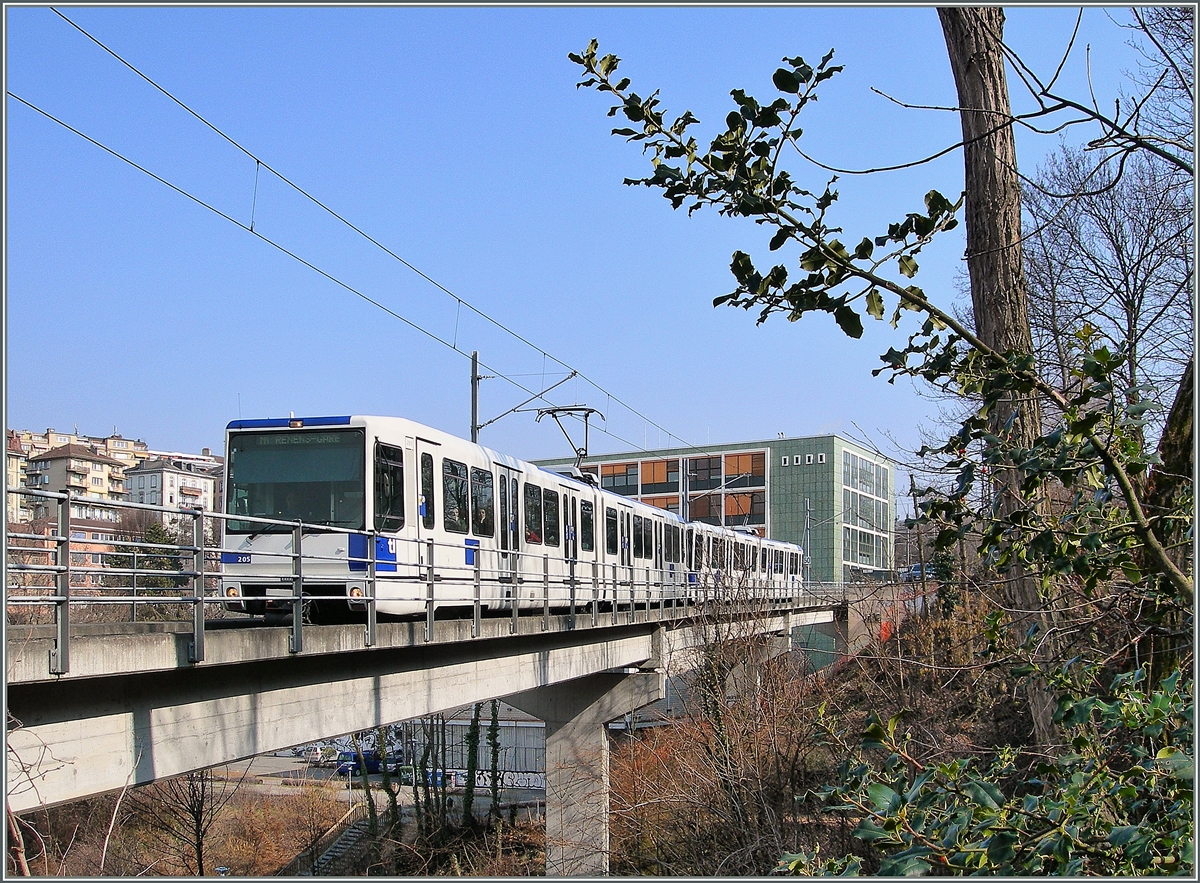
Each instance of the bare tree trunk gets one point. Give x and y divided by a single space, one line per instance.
16 845
999 295
1167 486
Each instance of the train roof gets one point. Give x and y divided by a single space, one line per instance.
440 435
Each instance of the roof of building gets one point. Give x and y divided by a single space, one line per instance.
169 464
78 451
14 443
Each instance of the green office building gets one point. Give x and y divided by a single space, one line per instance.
836 491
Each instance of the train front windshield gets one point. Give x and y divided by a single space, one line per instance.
316 476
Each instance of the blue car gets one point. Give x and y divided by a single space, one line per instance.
348 763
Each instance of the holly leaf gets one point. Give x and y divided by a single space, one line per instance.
849 321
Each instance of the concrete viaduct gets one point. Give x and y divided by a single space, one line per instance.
133 709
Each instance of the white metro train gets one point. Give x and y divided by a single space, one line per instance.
453 520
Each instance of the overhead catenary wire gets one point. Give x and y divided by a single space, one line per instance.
461 302
686 446
291 254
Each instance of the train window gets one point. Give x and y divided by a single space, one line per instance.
610 531
454 495
505 521
533 514
648 537
779 562
513 526
763 568
389 487
739 556
427 490
637 537
550 512
793 563
701 542
587 527
483 509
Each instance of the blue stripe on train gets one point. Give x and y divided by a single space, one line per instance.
385 553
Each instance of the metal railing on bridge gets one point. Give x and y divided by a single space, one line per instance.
63 568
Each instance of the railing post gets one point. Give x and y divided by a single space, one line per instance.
616 588
372 590
196 651
515 593
632 594
133 584
571 587
60 654
429 609
545 593
296 641
595 593
476 625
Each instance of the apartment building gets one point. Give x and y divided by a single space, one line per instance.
175 483
115 447
826 493
16 461
82 472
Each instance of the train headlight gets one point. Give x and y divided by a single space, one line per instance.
356 592
232 592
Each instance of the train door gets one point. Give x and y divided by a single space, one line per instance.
507 528
427 503
625 582
570 540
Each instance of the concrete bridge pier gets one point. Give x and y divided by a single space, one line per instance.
575 713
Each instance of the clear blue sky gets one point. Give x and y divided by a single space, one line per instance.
456 137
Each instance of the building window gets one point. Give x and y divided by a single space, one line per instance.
97 467
706 508
660 476
620 478
745 509
97 482
783 461
820 458
153 481
704 473
745 470
670 503
808 459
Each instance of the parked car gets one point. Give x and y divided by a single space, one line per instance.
916 573
348 763
326 755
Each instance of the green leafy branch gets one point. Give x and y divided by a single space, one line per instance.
739 174
1118 803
